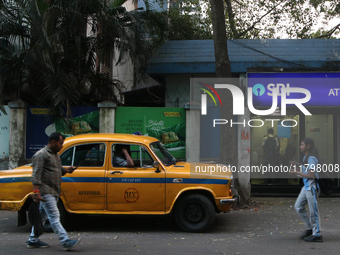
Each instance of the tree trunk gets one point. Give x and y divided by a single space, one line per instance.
222 63
228 139
231 19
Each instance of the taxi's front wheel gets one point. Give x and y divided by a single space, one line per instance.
194 213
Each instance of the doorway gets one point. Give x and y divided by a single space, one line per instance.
319 127
286 131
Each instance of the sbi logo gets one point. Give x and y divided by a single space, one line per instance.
258 89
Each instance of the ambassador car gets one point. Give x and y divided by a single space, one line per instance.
157 185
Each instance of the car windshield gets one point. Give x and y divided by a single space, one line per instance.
163 154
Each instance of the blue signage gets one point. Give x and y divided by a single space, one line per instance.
324 88
40 125
282 131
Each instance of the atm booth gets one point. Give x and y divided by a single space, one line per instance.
317 117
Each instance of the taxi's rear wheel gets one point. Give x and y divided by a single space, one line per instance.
194 213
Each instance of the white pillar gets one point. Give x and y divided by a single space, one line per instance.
107 115
192 140
17 132
244 151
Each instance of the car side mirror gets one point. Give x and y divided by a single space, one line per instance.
156 164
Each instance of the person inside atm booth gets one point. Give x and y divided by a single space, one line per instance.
271 147
122 156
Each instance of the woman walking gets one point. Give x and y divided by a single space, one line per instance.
309 192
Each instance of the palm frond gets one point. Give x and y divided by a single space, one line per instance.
48 55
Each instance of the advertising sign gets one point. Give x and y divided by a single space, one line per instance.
323 88
40 124
165 124
4 133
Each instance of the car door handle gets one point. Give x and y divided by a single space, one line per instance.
178 180
116 172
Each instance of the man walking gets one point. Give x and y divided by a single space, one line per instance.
46 179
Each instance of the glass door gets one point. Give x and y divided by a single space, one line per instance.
285 130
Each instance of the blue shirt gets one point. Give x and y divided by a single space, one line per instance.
311 165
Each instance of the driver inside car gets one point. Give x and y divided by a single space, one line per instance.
122 156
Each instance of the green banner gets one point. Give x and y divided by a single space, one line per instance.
165 124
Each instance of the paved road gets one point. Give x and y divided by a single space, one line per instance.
270 227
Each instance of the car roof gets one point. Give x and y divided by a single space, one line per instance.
108 137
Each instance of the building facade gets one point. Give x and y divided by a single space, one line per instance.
178 63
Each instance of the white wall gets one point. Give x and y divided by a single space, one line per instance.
177 88
319 127
125 72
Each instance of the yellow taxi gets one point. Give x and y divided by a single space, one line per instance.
157 184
